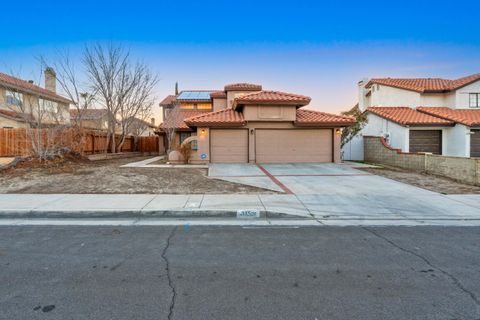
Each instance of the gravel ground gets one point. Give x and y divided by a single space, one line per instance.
108 177
425 181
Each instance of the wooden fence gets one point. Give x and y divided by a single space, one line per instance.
22 142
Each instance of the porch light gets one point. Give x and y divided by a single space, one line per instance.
338 132
202 131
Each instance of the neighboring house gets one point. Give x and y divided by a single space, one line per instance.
95 119
142 128
24 104
167 104
431 115
244 123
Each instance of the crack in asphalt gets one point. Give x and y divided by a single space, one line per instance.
455 281
169 277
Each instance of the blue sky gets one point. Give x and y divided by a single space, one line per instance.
316 48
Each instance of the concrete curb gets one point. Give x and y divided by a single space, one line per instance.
169 214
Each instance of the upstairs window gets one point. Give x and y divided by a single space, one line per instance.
474 100
48 106
14 98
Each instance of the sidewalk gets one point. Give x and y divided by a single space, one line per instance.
322 208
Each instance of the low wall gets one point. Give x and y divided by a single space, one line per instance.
376 150
466 170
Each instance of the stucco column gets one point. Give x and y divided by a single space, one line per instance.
203 144
251 145
337 134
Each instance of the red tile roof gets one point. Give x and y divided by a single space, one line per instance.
243 87
272 97
178 121
425 84
168 101
26 86
226 117
468 117
17 116
307 117
218 94
408 116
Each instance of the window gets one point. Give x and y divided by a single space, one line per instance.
48 106
185 135
474 100
14 98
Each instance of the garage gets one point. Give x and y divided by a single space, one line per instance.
229 145
426 141
475 143
293 145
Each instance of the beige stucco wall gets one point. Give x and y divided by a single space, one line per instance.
219 104
31 106
10 123
269 113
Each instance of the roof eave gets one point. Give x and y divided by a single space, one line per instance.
430 124
217 124
268 103
53 96
324 124
369 84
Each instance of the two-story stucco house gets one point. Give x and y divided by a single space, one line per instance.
245 124
24 104
439 116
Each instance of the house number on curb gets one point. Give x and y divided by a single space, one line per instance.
248 213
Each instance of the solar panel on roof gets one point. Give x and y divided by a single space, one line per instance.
194 95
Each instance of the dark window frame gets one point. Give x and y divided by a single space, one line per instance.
476 96
185 135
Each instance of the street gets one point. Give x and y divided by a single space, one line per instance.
219 272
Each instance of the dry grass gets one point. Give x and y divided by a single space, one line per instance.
83 176
425 181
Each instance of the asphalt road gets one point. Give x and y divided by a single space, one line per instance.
239 273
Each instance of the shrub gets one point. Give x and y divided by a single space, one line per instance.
185 150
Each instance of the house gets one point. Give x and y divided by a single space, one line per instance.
245 124
439 116
95 119
141 128
24 104
167 104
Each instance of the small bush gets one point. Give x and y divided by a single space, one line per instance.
186 151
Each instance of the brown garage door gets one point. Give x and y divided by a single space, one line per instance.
475 144
229 145
426 141
295 145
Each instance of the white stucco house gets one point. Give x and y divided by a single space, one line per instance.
439 116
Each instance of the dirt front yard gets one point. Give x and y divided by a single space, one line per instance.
425 181
107 176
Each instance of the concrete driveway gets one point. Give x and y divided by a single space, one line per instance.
340 191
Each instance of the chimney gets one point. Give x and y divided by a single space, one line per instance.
361 94
50 79
152 121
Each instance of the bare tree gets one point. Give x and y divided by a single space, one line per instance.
124 88
77 92
173 117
